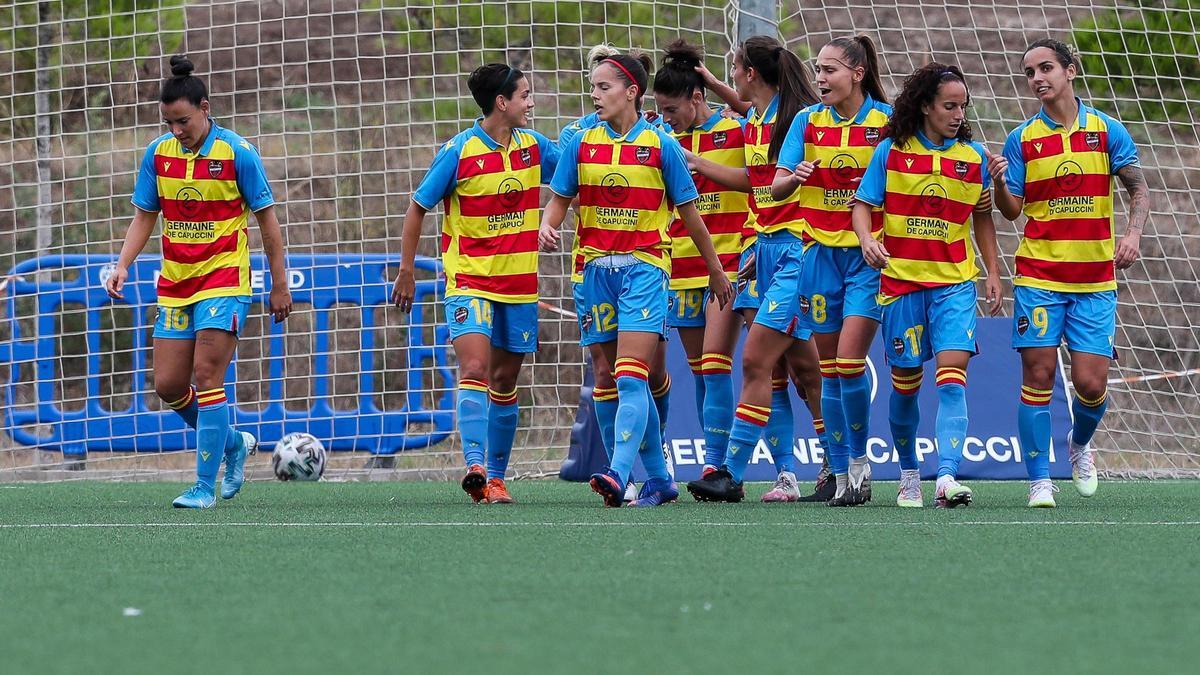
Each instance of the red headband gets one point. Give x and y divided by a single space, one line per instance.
632 79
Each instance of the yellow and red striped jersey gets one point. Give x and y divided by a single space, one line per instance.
770 215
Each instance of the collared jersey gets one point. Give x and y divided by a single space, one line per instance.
928 193
770 215
725 212
627 186
1065 177
844 147
205 198
491 195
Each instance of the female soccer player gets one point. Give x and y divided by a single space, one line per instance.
826 151
708 332
774 80
931 180
628 175
205 180
1057 169
489 177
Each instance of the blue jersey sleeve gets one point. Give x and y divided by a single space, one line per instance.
987 177
681 188
874 181
251 176
569 132
442 177
145 188
550 153
566 175
792 151
1014 177
1121 150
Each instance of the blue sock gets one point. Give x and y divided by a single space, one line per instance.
1033 429
662 404
473 419
838 448
188 409
651 450
904 416
502 431
718 407
1087 416
698 378
856 403
212 428
781 428
605 403
951 421
748 424
633 414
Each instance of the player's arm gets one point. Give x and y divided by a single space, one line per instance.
725 92
135 240
438 183
565 186
552 218
1124 155
1007 171
718 281
792 169
280 298
984 224
732 177
868 196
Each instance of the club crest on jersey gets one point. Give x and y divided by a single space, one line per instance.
1022 325
460 315
961 168
1092 138
719 138
805 305
215 168
898 346
642 154
871 135
526 156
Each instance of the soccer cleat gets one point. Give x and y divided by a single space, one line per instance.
951 493
235 465
631 491
859 479
1041 494
784 490
608 486
496 492
475 483
195 497
909 496
825 489
717 486
656 492
1083 469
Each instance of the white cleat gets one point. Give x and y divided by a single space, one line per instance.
631 491
784 490
1041 494
910 496
859 479
1083 468
951 493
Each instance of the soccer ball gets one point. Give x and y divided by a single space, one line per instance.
298 456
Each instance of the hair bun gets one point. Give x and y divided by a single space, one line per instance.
181 66
681 54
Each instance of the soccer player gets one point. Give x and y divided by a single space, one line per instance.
205 180
1057 168
708 332
826 151
932 182
774 80
628 175
489 177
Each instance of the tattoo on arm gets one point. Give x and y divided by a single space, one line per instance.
1139 195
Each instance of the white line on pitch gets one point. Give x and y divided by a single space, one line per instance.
455 524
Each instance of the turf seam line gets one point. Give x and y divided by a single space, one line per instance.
983 523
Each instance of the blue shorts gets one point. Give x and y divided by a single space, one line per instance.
779 259
685 308
625 295
836 283
512 327
747 291
1043 318
918 325
181 323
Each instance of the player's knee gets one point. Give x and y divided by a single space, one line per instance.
1038 375
170 390
755 371
1089 387
472 369
209 375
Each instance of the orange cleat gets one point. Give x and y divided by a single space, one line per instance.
475 483
497 492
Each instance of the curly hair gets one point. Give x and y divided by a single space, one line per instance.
920 89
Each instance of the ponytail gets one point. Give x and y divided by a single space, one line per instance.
860 52
633 69
780 68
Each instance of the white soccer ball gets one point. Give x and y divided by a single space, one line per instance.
298 456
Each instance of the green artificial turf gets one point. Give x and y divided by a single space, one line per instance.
407 577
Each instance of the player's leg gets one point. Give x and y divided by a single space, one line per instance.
858 317
692 339
721 332
780 435
1090 332
214 350
604 389
471 321
514 334
904 415
822 285
952 323
228 315
660 386
1038 318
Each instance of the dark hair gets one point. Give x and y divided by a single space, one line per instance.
860 51
782 69
183 84
920 89
488 82
678 77
636 64
1063 52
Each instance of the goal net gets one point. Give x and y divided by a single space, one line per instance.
348 101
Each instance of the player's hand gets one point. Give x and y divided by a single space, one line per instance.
693 160
548 238
997 166
805 169
1127 249
992 290
875 253
404 290
115 282
710 80
748 269
720 290
280 301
